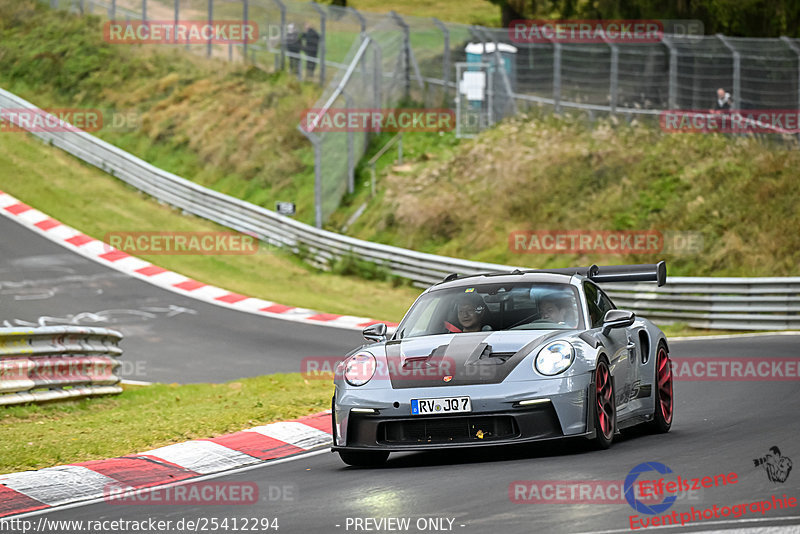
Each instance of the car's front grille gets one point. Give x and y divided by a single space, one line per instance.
448 430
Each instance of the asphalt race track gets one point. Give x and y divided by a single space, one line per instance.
719 428
168 337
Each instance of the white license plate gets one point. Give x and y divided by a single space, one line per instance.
440 406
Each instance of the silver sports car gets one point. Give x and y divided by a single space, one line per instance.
503 358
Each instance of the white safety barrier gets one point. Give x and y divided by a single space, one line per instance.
57 362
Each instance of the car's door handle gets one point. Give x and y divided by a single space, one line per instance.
631 346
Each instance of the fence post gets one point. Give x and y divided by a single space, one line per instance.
54 5
737 72
361 20
282 55
796 50
613 76
245 16
672 94
210 22
556 77
445 55
406 52
500 67
351 184
144 10
322 37
378 74
112 9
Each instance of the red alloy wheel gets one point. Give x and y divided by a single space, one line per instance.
664 376
605 401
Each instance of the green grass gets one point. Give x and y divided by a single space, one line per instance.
143 418
463 199
66 189
480 12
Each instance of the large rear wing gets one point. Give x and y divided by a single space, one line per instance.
646 272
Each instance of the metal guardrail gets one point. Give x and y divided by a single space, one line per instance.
723 303
57 362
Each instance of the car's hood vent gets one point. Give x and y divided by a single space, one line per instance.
458 359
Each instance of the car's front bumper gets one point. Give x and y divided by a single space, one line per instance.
497 417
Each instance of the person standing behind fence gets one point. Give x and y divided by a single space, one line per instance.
723 100
311 48
293 46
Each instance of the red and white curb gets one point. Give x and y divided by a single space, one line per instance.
111 257
31 491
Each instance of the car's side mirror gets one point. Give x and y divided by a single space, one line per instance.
617 319
375 332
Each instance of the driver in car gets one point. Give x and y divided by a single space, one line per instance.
555 310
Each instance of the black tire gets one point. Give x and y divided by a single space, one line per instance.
662 422
603 440
364 458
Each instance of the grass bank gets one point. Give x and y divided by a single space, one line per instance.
143 418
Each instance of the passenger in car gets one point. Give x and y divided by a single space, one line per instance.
471 314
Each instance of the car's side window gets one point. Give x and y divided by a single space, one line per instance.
604 302
595 313
597 302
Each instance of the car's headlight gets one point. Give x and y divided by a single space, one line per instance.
359 368
554 358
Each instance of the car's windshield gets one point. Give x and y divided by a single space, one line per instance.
488 307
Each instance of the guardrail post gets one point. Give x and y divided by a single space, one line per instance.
322 35
737 72
672 98
445 55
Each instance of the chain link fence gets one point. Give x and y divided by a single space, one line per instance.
369 60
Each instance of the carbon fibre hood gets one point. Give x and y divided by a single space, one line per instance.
460 359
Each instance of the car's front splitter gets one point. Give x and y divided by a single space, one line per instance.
511 412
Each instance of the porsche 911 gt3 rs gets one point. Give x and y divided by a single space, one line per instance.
502 358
